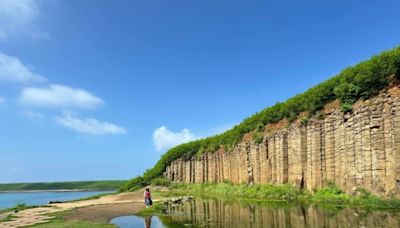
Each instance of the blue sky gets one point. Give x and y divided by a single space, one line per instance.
92 91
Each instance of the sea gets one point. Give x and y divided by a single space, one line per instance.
11 199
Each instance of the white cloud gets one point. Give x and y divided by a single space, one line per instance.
2 100
165 139
89 126
19 17
59 96
12 69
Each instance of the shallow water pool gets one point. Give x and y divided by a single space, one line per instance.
136 221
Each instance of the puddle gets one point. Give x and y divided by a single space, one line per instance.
136 221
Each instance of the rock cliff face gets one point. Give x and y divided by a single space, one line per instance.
357 149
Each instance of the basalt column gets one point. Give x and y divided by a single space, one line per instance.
273 160
254 157
265 162
377 149
295 153
396 144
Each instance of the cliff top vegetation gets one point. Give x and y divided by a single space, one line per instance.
361 81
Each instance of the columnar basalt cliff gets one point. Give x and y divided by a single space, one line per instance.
354 149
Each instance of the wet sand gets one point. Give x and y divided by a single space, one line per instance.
104 213
96 210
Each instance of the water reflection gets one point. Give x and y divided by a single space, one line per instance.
147 221
135 221
217 213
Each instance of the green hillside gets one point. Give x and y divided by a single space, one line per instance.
361 81
71 185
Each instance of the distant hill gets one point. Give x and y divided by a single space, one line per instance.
70 185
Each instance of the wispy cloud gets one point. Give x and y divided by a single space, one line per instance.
59 96
165 139
33 114
12 69
54 96
89 126
20 18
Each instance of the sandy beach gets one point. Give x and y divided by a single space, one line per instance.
102 209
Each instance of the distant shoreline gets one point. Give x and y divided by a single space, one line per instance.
69 186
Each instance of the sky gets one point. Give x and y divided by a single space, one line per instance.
98 90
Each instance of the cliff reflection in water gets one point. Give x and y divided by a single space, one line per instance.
217 213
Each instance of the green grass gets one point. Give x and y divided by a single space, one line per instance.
361 81
7 218
72 185
19 207
229 191
156 209
160 182
59 222
75 224
330 195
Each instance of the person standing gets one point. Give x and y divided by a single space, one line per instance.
147 198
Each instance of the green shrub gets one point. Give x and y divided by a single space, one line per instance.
304 120
157 209
229 190
228 182
134 184
160 182
331 193
292 116
346 107
347 92
363 193
320 115
258 137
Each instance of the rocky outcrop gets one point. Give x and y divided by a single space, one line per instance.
357 149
